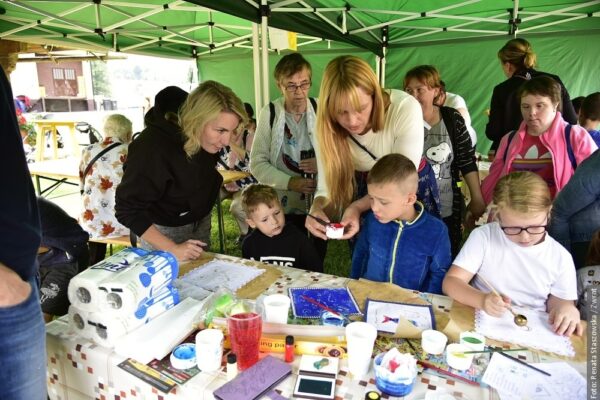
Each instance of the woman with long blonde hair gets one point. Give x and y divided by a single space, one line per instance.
358 122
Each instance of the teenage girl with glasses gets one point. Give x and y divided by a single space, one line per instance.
524 264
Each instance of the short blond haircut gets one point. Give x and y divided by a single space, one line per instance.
397 169
119 127
522 192
256 194
342 78
203 105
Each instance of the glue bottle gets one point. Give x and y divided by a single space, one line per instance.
232 368
289 349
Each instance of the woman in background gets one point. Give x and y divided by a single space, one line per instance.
518 61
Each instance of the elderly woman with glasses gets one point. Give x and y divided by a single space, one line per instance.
282 154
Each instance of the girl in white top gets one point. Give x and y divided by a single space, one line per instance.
518 258
358 122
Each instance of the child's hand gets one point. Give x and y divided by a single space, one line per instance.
565 320
495 305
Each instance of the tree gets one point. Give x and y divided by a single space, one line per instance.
100 79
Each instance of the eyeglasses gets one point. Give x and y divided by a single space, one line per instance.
292 87
516 230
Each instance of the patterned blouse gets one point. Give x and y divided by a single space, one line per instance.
99 187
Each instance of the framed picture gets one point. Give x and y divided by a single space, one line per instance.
386 316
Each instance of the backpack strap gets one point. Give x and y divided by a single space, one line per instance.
363 147
92 161
271 114
570 152
314 103
511 135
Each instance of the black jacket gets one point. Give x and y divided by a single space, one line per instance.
19 219
291 248
505 109
160 184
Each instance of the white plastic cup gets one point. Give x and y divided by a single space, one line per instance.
473 340
360 339
433 342
277 307
209 349
456 358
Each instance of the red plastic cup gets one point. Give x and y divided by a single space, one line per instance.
245 327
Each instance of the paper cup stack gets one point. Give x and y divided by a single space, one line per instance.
121 293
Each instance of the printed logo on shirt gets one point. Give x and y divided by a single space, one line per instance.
276 260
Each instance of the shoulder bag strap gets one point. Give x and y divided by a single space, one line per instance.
570 147
93 160
511 135
362 147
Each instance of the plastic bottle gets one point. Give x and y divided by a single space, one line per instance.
289 349
232 368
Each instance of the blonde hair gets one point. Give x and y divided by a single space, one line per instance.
119 127
519 53
342 78
204 105
522 192
256 194
394 168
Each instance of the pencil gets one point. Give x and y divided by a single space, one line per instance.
489 351
524 363
323 306
425 364
319 220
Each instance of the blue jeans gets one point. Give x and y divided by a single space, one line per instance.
23 349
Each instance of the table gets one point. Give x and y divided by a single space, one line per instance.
79 369
59 171
43 126
228 177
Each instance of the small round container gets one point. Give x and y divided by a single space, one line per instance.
334 230
456 358
330 319
398 388
473 340
433 342
184 356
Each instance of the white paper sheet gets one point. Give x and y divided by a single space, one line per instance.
218 274
539 336
514 381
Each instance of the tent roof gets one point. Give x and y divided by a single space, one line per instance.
178 28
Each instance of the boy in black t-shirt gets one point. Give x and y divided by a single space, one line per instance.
272 240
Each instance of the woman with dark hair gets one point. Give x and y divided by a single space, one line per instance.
544 143
518 61
449 150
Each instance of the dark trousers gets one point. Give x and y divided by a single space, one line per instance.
97 252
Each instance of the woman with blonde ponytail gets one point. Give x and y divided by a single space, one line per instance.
518 61
358 122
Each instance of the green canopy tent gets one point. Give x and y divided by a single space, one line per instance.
460 37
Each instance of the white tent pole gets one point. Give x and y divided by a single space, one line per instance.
514 18
256 62
264 31
378 68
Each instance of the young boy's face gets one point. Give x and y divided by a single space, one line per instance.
269 219
390 202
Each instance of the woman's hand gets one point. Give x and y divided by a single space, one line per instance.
316 228
302 185
495 305
309 165
13 289
189 250
565 319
